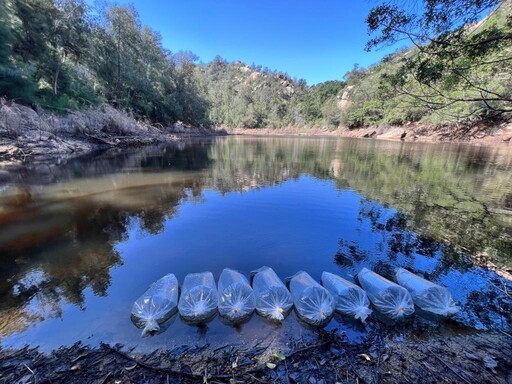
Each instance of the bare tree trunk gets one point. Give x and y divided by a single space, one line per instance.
56 75
56 80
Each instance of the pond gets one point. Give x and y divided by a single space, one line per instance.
81 240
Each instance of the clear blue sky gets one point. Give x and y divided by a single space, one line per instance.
316 40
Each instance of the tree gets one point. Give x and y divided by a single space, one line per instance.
68 35
459 57
6 37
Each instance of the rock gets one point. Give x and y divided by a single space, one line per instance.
506 135
29 112
394 134
369 133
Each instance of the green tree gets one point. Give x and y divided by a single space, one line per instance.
457 57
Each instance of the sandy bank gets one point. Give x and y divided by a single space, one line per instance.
456 132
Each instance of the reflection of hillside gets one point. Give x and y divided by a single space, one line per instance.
459 194
455 196
57 246
58 230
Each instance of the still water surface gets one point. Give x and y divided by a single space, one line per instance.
80 241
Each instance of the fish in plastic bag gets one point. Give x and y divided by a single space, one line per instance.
349 299
314 304
236 297
198 300
388 297
273 300
428 296
156 305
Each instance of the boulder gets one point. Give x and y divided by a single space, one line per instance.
394 134
506 135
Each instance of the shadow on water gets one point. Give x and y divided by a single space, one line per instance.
81 240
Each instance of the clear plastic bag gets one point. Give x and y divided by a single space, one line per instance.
156 305
389 298
236 297
349 299
198 301
273 300
314 304
428 296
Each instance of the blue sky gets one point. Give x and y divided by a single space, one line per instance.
316 40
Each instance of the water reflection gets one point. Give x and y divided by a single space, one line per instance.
65 228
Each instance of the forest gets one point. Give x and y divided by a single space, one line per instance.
451 63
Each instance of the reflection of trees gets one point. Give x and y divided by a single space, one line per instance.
56 245
58 239
443 193
458 194
390 244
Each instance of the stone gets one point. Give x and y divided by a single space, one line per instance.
394 134
506 135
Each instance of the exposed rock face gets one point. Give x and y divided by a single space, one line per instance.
345 98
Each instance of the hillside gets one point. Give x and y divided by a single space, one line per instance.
466 80
63 56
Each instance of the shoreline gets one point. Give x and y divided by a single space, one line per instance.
478 134
327 358
28 135
41 136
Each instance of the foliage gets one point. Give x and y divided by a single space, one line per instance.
458 63
250 97
66 55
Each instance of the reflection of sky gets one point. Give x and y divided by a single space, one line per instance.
299 225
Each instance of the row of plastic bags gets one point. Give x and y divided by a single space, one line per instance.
235 299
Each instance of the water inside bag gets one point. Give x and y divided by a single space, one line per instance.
389 298
313 303
236 297
199 299
156 305
349 299
273 300
428 296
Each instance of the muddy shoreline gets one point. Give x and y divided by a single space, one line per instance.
327 358
473 133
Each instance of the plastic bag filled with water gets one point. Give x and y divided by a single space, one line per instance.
236 297
349 299
314 304
156 305
428 296
389 298
273 300
198 300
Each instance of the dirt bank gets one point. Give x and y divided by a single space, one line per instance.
29 135
329 358
455 132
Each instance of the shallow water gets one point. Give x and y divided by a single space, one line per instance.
81 241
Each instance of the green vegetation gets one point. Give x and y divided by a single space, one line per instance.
457 69
64 55
61 55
